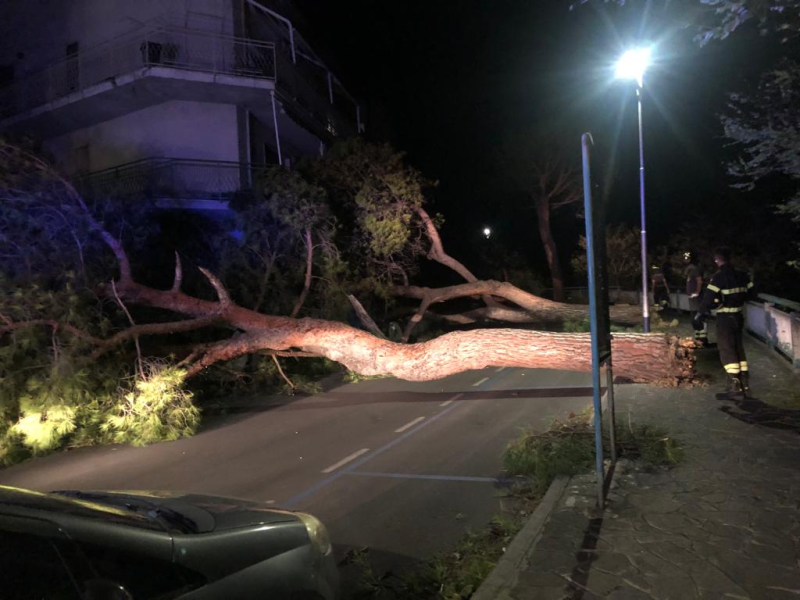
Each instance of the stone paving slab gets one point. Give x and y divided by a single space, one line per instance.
725 524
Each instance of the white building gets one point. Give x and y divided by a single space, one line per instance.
180 100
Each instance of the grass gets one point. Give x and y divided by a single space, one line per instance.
455 575
567 448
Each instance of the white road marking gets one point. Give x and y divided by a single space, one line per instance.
346 460
453 399
409 425
477 383
500 370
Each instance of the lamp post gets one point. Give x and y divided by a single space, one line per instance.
632 65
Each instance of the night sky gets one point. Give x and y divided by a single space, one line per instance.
449 81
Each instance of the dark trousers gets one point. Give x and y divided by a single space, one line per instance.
661 297
730 341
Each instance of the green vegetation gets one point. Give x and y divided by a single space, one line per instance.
583 325
567 448
451 576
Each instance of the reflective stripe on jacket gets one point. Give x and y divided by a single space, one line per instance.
727 291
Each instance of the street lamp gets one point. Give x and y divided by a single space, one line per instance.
633 65
487 232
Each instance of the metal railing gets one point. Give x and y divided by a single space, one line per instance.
772 319
172 47
310 94
171 178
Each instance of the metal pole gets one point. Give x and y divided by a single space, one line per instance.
330 87
275 124
645 298
586 145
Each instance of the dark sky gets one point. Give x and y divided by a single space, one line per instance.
449 81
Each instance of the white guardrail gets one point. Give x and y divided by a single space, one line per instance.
776 321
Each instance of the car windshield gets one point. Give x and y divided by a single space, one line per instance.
170 519
75 505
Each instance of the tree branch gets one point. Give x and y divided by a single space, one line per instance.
178 280
364 317
307 283
224 298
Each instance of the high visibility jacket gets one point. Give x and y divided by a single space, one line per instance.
727 291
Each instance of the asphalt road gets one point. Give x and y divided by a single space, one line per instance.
402 468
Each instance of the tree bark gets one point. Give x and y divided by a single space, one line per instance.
550 248
650 358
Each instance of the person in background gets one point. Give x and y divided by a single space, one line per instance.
727 293
660 289
694 289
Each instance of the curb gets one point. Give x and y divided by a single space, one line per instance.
505 573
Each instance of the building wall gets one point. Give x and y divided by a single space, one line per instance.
35 33
174 129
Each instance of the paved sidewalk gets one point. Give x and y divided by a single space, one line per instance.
723 524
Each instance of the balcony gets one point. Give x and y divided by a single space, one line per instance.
152 64
135 71
172 182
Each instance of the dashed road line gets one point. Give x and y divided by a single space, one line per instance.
451 400
294 500
409 425
345 460
477 383
425 477
500 370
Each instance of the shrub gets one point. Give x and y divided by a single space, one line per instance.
155 409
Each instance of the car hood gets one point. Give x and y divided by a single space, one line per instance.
190 513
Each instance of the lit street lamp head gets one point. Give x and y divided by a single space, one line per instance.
487 232
633 64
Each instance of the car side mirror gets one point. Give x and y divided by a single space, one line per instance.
105 589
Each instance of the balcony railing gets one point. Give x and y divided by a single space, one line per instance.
153 47
172 179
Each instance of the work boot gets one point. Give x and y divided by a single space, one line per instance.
734 387
744 377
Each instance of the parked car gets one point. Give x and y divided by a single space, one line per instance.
158 545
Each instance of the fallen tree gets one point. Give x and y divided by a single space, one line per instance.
651 358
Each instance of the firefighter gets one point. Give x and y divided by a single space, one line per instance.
694 289
727 293
660 288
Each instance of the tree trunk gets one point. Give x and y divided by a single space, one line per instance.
550 248
651 358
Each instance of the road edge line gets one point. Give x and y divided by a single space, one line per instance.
501 580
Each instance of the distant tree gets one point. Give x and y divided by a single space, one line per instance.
623 248
762 124
535 170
